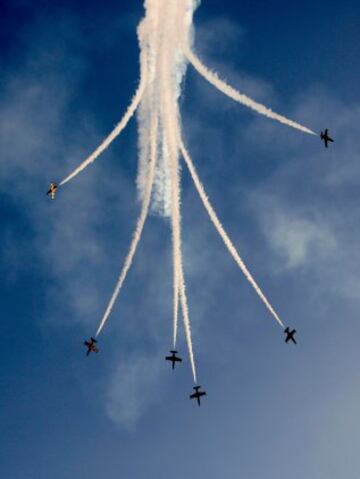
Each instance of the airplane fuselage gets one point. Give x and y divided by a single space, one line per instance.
173 358
198 394
290 335
91 345
326 138
52 190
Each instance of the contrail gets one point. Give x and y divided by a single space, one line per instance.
169 86
139 226
220 229
149 38
186 319
179 282
173 128
116 131
228 90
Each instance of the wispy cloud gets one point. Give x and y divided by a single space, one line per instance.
295 238
134 387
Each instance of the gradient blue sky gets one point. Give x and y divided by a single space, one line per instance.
68 70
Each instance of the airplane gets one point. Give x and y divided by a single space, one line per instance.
173 358
52 190
197 395
290 335
91 345
326 138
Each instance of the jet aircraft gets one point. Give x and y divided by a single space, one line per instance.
290 335
326 138
173 358
197 394
52 190
91 345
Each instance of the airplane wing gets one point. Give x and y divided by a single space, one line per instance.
178 359
193 396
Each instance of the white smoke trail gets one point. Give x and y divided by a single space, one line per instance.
170 154
228 90
166 24
186 319
169 85
220 229
117 130
149 35
139 226
179 287
179 281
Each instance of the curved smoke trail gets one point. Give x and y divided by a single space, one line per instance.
220 229
172 157
186 318
138 229
170 116
235 95
116 131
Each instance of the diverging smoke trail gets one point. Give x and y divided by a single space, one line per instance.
139 226
116 131
228 243
228 90
169 117
170 149
187 327
179 281
173 128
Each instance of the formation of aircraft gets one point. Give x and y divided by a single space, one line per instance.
91 345
52 190
290 335
197 394
173 358
324 135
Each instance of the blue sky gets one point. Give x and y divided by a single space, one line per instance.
68 71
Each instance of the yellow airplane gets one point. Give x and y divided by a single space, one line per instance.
52 190
91 345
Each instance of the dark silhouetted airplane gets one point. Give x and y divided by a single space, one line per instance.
173 358
91 345
197 394
52 190
326 138
290 335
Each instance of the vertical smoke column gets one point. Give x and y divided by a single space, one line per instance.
170 118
